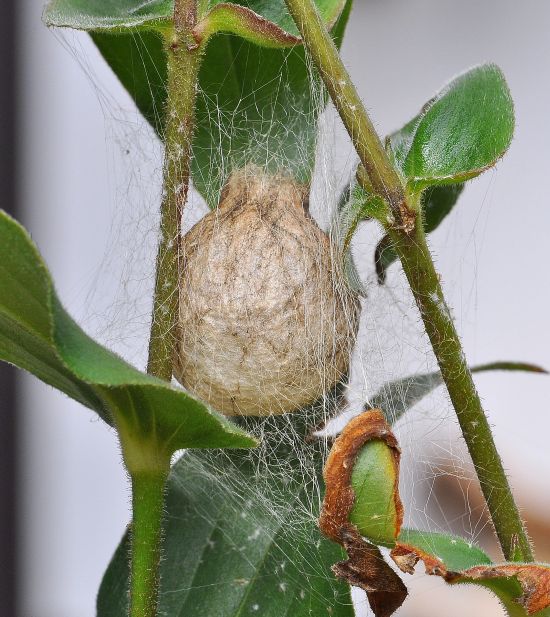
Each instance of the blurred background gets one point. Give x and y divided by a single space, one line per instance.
86 183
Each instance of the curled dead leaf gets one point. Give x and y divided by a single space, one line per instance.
534 579
453 559
365 566
339 495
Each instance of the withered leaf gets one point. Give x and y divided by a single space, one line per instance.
365 566
533 578
518 586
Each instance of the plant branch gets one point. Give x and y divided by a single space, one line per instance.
383 178
409 242
184 60
149 473
424 282
147 508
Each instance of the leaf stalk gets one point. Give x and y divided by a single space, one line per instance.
409 241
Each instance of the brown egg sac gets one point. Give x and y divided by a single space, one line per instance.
266 323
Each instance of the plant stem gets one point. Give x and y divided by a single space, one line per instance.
409 241
148 476
147 507
424 282
385 180
184 60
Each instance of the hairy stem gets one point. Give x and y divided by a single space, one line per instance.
324 53
184 59
147 507
408 238
148 477
424 282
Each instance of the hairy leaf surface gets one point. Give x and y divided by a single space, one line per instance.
459 133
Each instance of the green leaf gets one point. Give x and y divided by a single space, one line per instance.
108 14
396 397
457 554
437 203
255 105
373 481
263 22
521 588
241 536
36 334
460 133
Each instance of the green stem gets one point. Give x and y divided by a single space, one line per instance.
147 473
385 180
147 508
184 60
424 282
409 241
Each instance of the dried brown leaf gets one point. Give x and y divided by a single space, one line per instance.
534 579
365 566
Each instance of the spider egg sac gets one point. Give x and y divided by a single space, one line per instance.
266 323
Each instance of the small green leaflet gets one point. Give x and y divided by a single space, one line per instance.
36 334
459 133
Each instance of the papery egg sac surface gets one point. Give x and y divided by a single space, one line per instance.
266 323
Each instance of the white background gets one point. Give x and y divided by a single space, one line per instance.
492 252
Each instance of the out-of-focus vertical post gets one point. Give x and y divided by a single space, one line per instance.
8 404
